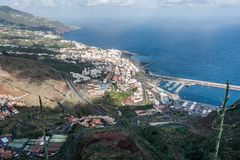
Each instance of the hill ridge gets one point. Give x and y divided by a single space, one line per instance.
11 16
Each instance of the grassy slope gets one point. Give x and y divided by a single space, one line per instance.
116 98
32 77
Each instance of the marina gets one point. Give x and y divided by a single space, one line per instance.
179 88
195 90
171 86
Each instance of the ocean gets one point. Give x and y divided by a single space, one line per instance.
197 49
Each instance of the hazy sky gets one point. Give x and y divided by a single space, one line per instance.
73 9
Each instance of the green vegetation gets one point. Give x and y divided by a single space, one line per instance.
167 143
27 50
25 124
64 66
123 141
129 111
28 40
108 143
179 114
176 142
102 152
171 142
116 98
57 64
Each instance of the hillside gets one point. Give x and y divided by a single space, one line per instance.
207 130
30 65
10 16
20 76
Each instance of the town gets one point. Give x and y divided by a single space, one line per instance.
110 73
7 108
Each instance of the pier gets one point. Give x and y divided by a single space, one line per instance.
179 88
198 82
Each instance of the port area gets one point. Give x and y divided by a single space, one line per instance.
168 107
179 112
194 108
173 87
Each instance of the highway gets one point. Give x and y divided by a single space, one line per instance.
78 93
198 82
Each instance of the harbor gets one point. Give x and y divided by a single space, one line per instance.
194 90
172 86
190 82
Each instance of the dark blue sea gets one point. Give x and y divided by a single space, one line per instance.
196 49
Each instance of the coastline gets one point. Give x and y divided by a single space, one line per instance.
140 64
72 28
148 73
125 54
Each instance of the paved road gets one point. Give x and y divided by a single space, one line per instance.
79 94
162 124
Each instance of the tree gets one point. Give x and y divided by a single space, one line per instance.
222 116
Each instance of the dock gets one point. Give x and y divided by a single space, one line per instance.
179 88
198 82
